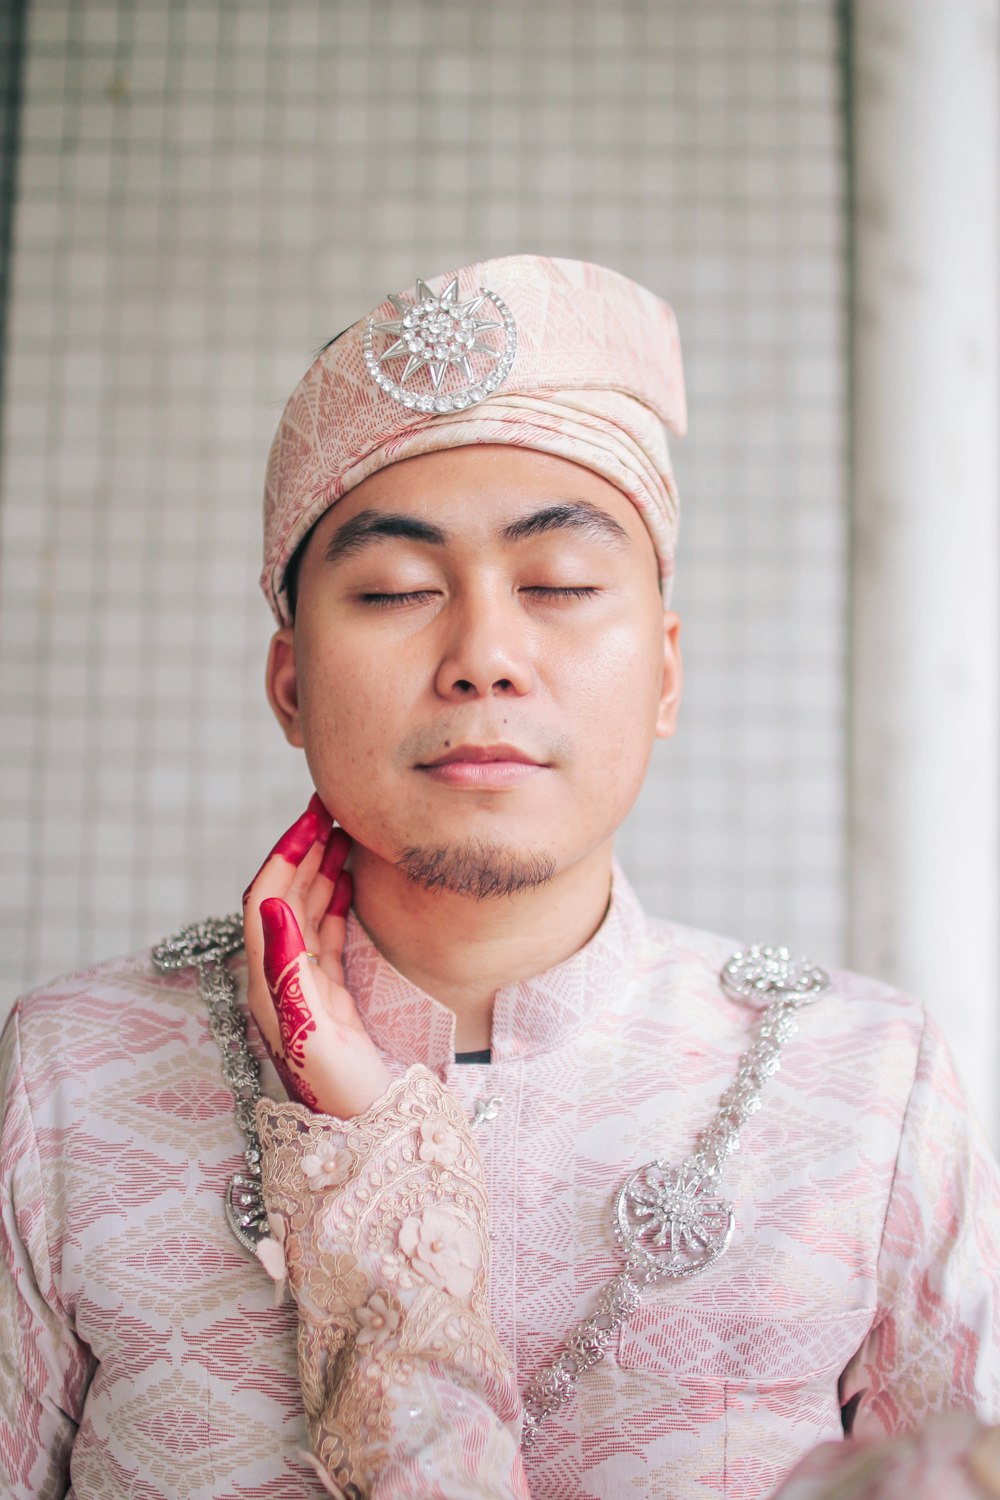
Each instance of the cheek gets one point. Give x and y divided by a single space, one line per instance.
339 712
352 707
621 680
616 711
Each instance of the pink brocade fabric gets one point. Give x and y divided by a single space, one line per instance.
141 1354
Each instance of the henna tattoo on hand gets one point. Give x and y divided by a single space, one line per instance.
295 1019
296 1088
283 948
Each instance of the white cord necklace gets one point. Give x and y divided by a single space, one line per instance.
670 1221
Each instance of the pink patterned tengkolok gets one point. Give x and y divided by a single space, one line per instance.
596 378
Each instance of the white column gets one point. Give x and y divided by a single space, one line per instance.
925 652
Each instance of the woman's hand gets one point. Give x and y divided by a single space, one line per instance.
297 904
950 1456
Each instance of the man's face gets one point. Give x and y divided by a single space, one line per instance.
480 662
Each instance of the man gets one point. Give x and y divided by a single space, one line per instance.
470 523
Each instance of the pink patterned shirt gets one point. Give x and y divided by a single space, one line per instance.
140 1350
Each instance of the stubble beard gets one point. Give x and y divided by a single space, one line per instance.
475 868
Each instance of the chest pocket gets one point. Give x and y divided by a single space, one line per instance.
742 1350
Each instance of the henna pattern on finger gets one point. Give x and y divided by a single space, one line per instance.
283 948
296 1088
295 1019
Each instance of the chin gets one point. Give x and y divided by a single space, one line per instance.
478 868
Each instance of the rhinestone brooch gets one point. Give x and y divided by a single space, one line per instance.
463 355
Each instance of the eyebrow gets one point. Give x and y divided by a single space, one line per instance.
567 515
370 526
374 525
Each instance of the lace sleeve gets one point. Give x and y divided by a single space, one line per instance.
380 1224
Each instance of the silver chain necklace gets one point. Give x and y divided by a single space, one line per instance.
670 1222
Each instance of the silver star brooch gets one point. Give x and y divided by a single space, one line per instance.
446 344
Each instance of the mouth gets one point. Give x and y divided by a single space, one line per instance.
479 766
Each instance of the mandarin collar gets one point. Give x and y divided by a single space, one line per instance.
533 1016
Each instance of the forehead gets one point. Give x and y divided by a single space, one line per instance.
472 493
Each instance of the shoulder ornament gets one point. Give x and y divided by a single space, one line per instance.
758 975
211 941
206 946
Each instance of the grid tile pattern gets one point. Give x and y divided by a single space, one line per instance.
208 192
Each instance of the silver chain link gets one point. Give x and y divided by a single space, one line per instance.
207 946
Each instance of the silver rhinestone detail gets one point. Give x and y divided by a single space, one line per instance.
205 946
759 973
444 341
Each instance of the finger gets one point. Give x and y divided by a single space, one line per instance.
284 959
288 872
293 854
343 895
318 806
295 843
334 927
338 846
283 940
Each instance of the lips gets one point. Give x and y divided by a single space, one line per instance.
482 755
483 768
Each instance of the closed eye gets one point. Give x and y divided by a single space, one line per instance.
581 591
395 601
418 596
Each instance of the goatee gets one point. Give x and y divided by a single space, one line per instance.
480 870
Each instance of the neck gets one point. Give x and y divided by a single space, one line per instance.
460 950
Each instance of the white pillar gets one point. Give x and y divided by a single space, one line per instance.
925 652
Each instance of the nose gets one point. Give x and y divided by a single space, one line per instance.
486 650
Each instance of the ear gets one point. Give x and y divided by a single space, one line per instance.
673 676
282 684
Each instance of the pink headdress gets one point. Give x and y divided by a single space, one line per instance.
557 355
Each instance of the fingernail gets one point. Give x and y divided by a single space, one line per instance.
337 848
323 819
282 938
343 891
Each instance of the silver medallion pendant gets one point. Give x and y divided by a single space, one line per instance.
671 1222
245 1211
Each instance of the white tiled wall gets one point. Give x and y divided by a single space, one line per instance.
209 191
